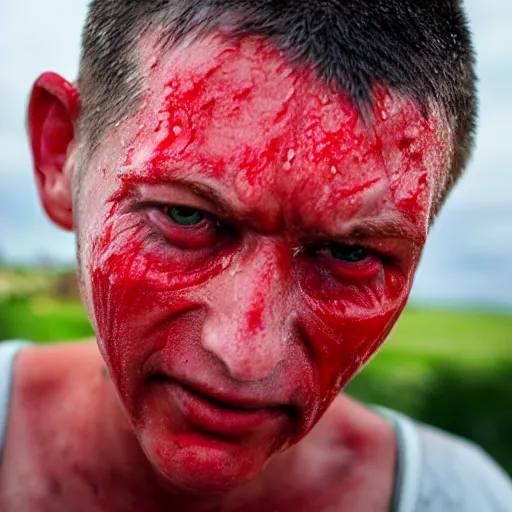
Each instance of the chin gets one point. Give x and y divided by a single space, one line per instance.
203 464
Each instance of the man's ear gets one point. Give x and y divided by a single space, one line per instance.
52 115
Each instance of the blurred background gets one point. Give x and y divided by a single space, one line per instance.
449 360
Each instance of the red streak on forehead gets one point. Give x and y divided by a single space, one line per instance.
280 141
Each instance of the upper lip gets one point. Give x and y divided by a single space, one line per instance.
226 399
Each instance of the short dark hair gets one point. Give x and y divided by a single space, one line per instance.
421 48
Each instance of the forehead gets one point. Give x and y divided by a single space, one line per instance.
238 117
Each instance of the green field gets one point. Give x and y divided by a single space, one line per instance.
448 368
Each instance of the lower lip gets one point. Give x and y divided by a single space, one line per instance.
209 416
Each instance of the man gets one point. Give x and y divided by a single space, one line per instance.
251 185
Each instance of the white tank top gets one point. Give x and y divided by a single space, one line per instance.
439 472
436 472
8 351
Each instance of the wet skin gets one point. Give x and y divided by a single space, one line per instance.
247 241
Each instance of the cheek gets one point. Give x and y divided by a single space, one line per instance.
138 286
345 321
341 351
116 298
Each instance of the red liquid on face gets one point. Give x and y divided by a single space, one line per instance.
257 314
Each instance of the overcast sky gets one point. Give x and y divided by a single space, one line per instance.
469 255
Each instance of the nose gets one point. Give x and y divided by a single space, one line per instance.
247 327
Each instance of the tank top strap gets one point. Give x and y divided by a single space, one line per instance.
408 471
8 351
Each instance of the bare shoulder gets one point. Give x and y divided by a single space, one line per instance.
48 397
45 379
47 374
49 362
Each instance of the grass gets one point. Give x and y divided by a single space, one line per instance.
451 369
42 319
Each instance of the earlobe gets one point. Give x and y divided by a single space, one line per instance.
52 115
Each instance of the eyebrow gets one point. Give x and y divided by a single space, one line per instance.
392 225
202 190
205 192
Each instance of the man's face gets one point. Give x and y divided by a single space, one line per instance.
246 243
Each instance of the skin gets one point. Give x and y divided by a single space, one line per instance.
246 241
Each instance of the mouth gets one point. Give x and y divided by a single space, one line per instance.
220 414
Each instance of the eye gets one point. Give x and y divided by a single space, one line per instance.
184 216
186 227
349 253
351 262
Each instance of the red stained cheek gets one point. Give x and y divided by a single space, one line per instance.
340 347
129 281
348 321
